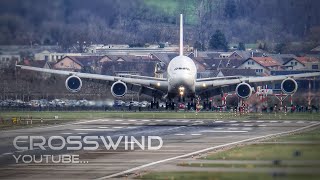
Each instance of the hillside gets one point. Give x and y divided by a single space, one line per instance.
68 23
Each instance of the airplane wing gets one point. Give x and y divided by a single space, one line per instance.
143 84
213 87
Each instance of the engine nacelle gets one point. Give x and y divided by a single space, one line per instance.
119 89
73 83
289 86
243 90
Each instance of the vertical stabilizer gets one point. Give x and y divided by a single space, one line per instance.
181 35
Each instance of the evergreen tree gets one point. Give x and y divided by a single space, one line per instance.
230 9
199 46
241 46
218 41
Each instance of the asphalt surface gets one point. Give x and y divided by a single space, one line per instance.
182 138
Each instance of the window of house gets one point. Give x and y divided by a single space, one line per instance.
61 64
295 63
315 66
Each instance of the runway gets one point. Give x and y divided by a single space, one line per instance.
181 138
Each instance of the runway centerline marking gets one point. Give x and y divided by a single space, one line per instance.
202 151
179 134
93 129
196 134
222 131
67 133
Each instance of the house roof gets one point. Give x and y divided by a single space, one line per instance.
218 63
282 58
248 54
38 63
144 67
266 61
238 72
305 60
316 49
208 74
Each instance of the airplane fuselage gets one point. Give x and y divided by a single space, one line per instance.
182 74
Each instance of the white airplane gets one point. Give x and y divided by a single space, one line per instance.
181 81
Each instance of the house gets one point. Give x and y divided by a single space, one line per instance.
8 60
78 63
53 56
39 64
262 65
219 63
281 58
245 54
302 63
227 72
144 68
237 72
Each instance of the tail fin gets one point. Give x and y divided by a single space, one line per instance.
181 35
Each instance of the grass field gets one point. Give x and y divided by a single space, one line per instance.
173 8
78 115
284 153
225 176
307 143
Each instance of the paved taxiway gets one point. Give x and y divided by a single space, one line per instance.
182 138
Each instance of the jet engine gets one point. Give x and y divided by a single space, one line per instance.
119 89
289 86
243 90
73 83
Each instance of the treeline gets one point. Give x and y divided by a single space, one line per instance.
69 22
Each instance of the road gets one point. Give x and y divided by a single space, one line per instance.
182 138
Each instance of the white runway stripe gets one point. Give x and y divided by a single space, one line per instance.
222 131
82 133
66 133
103 127
118 127
196 134
179 134
93 129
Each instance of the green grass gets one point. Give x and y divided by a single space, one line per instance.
269 152
224 176
173 8
255 152
77 115
248 165
313 136
276 151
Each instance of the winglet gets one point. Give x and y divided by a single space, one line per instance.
181 35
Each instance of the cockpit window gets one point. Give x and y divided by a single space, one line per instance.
182 68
